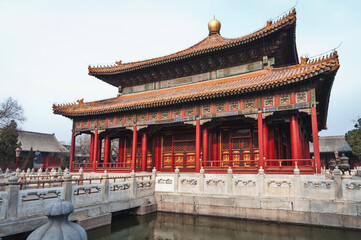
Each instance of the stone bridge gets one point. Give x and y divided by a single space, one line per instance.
95 199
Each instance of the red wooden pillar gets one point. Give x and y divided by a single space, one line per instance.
205 146
157 152
72 152
295 138
260 140
95 150
198 144
121 152
271 143
91 152
144 151
265 140
316 148
134 148
106 150
214 148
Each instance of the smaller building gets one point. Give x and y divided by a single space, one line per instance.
329 145
48 151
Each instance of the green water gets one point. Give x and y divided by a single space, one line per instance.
168 226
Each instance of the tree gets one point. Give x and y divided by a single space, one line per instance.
11 110
30 160
8 144
83 145
353 138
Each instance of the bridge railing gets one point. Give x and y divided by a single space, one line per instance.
28 198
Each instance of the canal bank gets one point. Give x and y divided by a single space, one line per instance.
183 226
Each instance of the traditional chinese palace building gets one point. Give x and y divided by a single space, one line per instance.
243 103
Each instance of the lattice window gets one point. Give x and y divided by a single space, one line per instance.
179 147
128 145
243 132
236 144
255 138
246 143
191 146
225 140
167 144
184 136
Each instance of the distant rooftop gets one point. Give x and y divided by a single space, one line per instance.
332 143
43 142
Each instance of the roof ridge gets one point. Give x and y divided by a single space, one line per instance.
52 134
288 18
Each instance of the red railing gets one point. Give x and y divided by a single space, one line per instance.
286 166
102 166
221 166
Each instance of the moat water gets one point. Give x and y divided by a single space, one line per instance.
168 226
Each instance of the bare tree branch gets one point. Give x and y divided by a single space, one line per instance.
10 109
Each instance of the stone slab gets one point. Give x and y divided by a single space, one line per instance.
97 221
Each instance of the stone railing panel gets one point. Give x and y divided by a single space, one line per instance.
120 191
324 189
189 184
244 186
164 184
351 190
3 204
281 188
87 194
33 201
145 188
215 185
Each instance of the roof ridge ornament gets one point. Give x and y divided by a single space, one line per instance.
214 26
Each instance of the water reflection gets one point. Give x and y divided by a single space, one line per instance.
168 226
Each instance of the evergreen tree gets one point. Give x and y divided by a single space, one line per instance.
353 138
8 145
30 160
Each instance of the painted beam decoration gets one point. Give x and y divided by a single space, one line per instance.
246 107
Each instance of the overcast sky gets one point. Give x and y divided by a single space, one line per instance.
46 46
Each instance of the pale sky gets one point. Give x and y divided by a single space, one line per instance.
46 46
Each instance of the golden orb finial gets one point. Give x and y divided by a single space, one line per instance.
214 26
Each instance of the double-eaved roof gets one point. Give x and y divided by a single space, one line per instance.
211 43
266 79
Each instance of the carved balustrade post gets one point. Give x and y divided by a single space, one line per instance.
68 187
338 183
133 180
154 174
105 182
260 181
12 190
201 180
176 180
229 181
297 182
